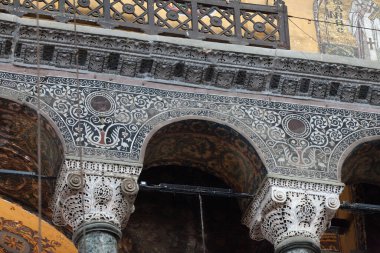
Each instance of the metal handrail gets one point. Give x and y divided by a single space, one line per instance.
215 20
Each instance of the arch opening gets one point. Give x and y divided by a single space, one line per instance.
18 152
200 153
362 165
166 222
210 147
361 174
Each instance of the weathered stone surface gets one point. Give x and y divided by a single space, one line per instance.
290 211
154 59
88 192
291 139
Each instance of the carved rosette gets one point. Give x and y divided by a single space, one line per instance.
95 192
287 209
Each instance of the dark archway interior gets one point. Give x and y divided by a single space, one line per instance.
211 147
166 222
197 153
361 172
363 164
368 225
18 152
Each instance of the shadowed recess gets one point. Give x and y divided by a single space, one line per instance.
171 223
18 152
210 147
363 164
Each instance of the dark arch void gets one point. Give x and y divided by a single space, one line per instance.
166 222
211 147
18 152
363 164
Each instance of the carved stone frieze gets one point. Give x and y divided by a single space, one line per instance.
89 191
113 121
286 210
188 64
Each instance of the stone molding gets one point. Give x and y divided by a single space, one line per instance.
291 139
184 64
286 209
88 192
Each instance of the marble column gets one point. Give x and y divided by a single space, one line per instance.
95 199
292 214
298 245
97 237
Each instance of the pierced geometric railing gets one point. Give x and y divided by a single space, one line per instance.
216 20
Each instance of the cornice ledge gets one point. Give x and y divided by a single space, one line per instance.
223 66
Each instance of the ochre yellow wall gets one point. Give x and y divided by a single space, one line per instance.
23 218
315 26
339 27
302 33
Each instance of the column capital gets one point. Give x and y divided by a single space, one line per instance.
288 211
89 192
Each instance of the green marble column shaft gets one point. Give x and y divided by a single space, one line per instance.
97 237
298 246
97 242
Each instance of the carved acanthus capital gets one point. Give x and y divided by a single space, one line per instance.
289 209
90 191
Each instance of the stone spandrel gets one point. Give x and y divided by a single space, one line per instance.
291 139
89 192
292 212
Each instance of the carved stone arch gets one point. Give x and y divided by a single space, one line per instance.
197 151
346 146
163 119
48 113
257 170
359 170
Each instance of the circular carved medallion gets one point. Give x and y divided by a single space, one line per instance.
100 103
296 126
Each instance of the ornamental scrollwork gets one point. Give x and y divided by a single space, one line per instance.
94 191
113 121
285 209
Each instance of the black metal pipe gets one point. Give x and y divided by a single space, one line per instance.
194 190
24 174
201 190
360 207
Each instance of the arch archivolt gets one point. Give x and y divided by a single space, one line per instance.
347 145
163 119
28 97
19 141
115 121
